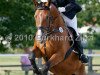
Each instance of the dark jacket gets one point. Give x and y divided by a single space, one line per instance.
70 5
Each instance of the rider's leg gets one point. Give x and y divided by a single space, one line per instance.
73 23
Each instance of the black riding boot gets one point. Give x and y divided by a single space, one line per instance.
33 63
79 48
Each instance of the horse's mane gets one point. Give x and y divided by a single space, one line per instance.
54 8
56 13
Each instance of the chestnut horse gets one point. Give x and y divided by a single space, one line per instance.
51 45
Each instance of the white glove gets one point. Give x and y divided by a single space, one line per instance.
44 0
61 9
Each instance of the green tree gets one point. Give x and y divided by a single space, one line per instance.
90 12
16 18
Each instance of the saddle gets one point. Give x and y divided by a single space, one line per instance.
72 34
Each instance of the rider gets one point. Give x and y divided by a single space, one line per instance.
69 9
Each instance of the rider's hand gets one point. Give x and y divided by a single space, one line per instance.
61 9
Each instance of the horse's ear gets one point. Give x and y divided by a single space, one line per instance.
48 3
35 2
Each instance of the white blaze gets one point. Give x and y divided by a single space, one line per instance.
39 35
39 32
40 16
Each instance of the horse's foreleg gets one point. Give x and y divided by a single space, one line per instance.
33 63
54 60
35 53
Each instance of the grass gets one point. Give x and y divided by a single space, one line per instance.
9 60
96 60
16 73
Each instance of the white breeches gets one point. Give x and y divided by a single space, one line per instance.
71 22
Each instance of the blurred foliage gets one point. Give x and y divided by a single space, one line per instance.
90 13
90 40
2 48
93 41
96 41
16 18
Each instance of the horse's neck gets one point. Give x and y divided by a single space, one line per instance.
58 21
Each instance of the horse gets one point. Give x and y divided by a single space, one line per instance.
51 44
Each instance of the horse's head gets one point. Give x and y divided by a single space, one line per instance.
45 15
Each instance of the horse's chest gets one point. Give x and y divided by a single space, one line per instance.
47 51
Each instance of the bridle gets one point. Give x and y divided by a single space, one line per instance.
49 19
